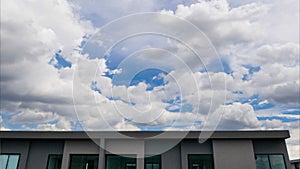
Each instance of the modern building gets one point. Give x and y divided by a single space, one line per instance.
295 164
144 150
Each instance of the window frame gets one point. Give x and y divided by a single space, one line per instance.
212 157
19 154
70 159
134 156
145 163
134 165
269 161
49 159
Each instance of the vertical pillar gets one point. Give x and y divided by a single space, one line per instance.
101 164
233 154
65 157
140 163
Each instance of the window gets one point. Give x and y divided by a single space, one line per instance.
153 162
130 166
120 162
84 162
200 161
9 161
275 161
54 161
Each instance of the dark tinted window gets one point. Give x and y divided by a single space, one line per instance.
120 162
84 162
200 161
54 161
266 161
153 162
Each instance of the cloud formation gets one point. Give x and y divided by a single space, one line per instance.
261 68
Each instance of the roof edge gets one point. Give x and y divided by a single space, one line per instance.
253 134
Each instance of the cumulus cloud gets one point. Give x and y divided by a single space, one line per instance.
33 116
281 26
286 54
100 12
125 126
62 124
273 124
35 93
223 24
293 142
31 34
277 83
237 115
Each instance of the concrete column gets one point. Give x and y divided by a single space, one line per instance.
171 158
233 154
101 164
140 162
65 157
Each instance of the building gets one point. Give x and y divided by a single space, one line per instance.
161 150
295 164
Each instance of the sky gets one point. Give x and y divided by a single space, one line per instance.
151 65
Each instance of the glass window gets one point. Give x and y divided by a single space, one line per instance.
270 161
200 161
84 162
130 166
277 161
120 162
54 161
153 162
262 162
9 161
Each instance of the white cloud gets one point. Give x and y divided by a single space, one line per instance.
126 126
62 125
238 116
277 83
2 128
286 54
43 95
293 142
224 25
31 33
273 124
33 117
282 21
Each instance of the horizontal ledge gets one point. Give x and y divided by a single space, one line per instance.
254 134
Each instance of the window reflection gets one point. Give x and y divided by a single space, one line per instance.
200 161
9 161
153 162
54 161
84 162
120 162
270 161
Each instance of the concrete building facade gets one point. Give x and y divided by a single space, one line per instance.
144 150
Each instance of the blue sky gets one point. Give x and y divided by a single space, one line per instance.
151 65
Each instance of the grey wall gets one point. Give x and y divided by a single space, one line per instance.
78 147
193 147
16 146
233 154
40 150
171 159
127 147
